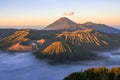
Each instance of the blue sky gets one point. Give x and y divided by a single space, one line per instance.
43 12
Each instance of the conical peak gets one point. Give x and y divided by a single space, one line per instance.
61 24
57 48
65 19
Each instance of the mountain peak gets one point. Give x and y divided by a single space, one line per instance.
64 18
57 47
89 23
62 23
62 52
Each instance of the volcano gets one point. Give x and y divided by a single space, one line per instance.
61 24
67 24
62 52
89 39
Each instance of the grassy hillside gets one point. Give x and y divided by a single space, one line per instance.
96 74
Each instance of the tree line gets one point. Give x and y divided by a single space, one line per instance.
96 74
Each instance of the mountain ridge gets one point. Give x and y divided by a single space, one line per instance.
89 39
13 38
67 24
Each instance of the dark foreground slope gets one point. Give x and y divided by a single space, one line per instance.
96 74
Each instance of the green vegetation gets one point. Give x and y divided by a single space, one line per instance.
96 74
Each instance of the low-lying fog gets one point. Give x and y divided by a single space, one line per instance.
24 66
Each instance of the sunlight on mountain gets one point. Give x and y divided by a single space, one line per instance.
57 47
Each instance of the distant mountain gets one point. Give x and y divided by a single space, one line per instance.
6 32
62 52
101 27
89 39
67 24
61 24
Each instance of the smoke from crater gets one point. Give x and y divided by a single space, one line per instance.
69 13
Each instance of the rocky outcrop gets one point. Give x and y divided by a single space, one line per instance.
20 48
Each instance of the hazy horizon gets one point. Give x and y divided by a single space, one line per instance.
36 27
44 12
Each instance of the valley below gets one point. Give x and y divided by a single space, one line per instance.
25 66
